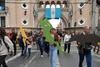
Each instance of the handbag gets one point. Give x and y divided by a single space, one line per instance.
29 46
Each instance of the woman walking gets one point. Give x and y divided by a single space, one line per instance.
5 46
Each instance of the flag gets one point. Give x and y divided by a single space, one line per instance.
58 12
52 12
47 13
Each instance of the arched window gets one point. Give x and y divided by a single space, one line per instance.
47 2
64 4
59 2
41 4
52 2
47 10
53 11
2 21
2 5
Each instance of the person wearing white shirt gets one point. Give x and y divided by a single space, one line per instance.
5 42
66 41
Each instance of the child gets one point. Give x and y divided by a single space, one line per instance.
29 46
29 49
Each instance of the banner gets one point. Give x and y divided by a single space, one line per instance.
47 13
52 12
58 12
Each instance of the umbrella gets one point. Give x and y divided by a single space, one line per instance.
88 38
78 37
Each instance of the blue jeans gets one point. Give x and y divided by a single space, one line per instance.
29 52
88 59
53 56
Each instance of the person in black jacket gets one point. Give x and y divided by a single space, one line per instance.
84 49
13 39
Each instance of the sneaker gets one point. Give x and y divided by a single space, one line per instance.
41 55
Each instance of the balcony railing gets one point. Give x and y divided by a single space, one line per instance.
3 10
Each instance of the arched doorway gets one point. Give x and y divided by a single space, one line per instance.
63 22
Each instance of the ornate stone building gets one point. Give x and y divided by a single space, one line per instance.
28 13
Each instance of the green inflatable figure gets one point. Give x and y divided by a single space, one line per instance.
46 27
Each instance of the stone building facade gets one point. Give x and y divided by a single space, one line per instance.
28 13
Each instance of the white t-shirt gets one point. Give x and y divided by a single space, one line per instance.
67 37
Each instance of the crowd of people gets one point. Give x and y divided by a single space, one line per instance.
8 42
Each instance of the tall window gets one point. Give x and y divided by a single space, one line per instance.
2 21
2 5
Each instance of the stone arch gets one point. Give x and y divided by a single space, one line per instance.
64 20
